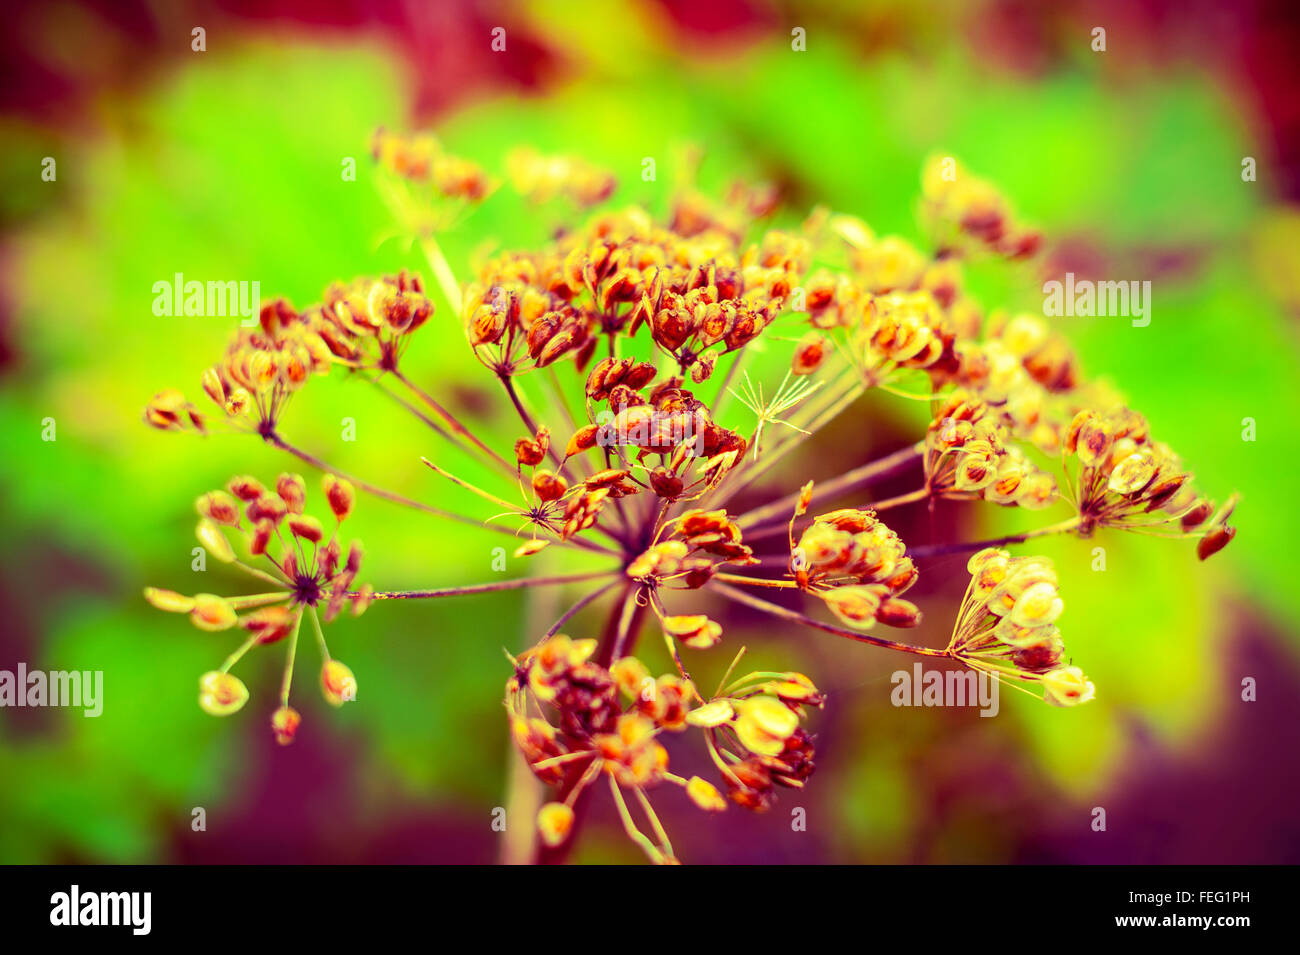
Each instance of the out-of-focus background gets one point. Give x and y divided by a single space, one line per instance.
226 164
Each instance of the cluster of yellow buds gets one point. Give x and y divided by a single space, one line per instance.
262 367
696 544
993 373
900 308
966 457
964 212
610 721
561 674
1127 480
883 266
691 311
513 327
858 566
367 322
695 213
542 178
900 330
1025 371
664 701
835 300
1006 626
670 423
712 532
619 272
170 410
421 158
686 324
1043 352
361 324
309 575
753 734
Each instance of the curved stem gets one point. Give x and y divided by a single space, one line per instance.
577 607
918 495
507 381
794 616
515 583
938 550
273 438
453 422
424 418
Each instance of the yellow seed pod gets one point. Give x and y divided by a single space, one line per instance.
284 724
213 541
763 724
795 688
548 485
246 488
855 605
1038 606
974 472
221 694
212 385
293 491
238 402
1133 472
629 673
220 507
696 630
340 494
168 600
897 612
809 354
987 557
1094 442
529 548
1067 686
1036 491
337 683
1022 637
554 823
1006 485
306 527
705 795
211 612
711 714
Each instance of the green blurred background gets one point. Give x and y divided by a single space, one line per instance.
226 164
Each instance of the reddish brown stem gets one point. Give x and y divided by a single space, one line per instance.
517 583
794 616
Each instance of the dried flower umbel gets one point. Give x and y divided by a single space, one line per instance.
635 437
311 574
